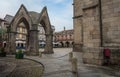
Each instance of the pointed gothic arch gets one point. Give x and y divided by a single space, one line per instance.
20 17
45 22
31 21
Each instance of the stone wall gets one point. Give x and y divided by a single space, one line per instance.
91 31
95 56
92 56
111 22
77 25
90 37
115 56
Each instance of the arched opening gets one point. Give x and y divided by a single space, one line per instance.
41 36
48 36
22 34
62 44
67 44
4 45
22 46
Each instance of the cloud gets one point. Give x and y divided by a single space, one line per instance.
7 7
62 17
12 6
60 11
55 1
58 1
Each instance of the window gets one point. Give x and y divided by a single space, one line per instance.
17 36
18 29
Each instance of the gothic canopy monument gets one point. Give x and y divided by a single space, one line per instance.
31 20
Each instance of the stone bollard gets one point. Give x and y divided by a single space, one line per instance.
40 54
70 56
74 65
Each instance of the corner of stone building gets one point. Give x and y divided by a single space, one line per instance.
77 48
93 55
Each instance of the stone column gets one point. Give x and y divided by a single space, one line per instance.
12 44
7 48
27 41
49 45
74 65
33 41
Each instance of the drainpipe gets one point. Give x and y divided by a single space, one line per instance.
100 23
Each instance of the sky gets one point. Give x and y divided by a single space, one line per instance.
60 11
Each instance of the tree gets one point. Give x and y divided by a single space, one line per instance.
2 33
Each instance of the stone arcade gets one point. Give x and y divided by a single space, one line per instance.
31 21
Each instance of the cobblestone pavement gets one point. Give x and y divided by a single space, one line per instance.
22 67
57 65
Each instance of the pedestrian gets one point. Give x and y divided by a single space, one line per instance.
106 54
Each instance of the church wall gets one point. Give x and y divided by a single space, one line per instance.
77 21
92 52
87 30
111 23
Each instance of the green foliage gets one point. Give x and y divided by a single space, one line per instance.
1 49
20 51
19 54
2 31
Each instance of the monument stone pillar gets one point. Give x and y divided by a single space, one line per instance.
49 45
33 41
